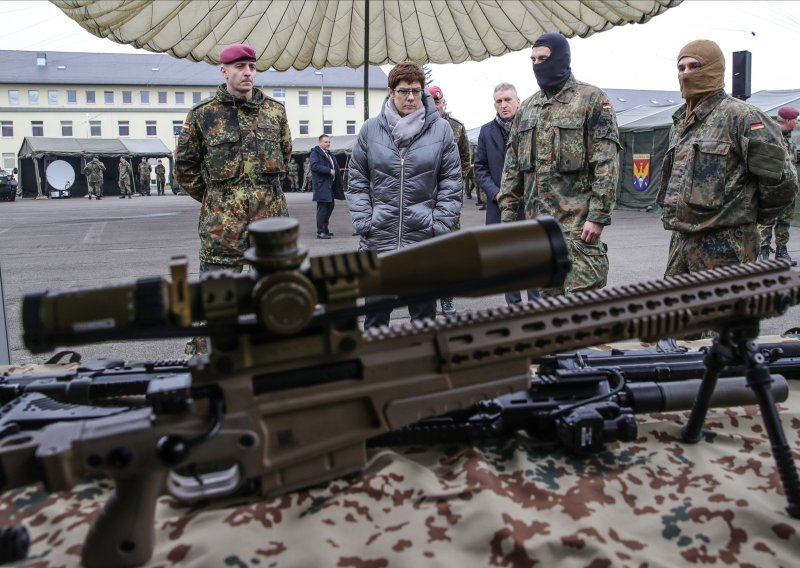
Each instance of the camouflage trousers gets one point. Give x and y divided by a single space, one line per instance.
589 267
125 186
96 188
293 181
199 345
693 252
160 182
144 186
781 228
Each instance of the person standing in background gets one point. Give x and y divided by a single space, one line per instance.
327 184
490 155
125 176
94 178
161 177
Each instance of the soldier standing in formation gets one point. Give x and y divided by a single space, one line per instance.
144 177
94 177
307 174
238 182
161 177
462 143
125 175
726 170
562 161
787 121
293 177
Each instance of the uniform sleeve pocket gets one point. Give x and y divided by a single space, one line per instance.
223 159
710 162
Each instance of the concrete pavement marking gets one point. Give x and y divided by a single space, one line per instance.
94 232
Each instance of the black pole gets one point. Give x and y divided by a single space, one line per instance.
366 60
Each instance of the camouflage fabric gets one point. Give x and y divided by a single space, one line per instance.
144 174
589 269
562 161
94 177
655 501
293 175
708 180
693 252
232 156
161 178
125 178
781 224
307 175
460 136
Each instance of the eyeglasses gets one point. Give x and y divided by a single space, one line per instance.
406 92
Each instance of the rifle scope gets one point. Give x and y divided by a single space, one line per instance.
285 290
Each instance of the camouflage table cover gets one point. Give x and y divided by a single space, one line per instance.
652 502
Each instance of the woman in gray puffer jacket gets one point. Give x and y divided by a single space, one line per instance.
405 175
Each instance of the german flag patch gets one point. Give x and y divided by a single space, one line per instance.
756 125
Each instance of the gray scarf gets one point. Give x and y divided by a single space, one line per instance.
404 128
505 126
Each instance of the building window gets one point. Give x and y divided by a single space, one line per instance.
327 127
66 128
150 127
90 97
144 97
350 99
94 129
9 161
72 97
279 94
351 127
127 97
179 98
33 97
211 94
108 97
162 97
302 98
177 126
7 129
52 97
37 128
326 98
124 128
13 97
304 127
196 96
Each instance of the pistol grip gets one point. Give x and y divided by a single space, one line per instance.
123 534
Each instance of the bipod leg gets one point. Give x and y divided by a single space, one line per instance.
737 344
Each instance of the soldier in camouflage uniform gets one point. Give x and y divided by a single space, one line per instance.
726 169
125 175
94 177
562 161
232 155
307 175
462 142
144 177
293 175
161 178
787 121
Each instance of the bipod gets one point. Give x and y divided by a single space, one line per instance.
736 345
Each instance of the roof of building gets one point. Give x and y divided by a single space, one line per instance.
68 68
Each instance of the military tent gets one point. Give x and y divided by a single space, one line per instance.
37 154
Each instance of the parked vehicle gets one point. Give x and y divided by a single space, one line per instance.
8 185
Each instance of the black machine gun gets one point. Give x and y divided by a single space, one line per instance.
291 389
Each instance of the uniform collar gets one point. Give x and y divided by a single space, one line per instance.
702 110
564 95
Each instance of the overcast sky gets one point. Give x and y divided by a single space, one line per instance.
631 56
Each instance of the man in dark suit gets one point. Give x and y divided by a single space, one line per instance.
490 154
326 184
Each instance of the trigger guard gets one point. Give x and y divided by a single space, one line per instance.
190 489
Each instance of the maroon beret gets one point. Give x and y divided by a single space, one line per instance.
237 52
436 92
788 113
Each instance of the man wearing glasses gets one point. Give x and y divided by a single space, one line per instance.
404 176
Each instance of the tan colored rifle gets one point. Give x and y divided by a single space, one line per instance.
292 388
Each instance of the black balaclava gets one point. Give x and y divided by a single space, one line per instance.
553 73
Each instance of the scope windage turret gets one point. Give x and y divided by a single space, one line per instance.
474 262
